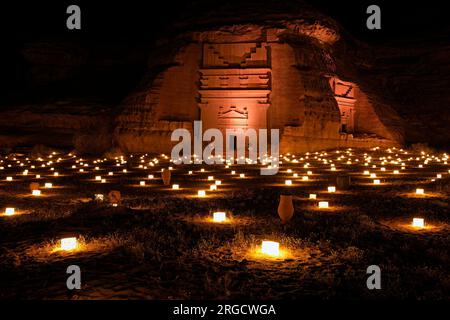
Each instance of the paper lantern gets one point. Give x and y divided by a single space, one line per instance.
332 189
312 196
418 223
201 193
36 193
68 244
270 248
323 204
9 211
175 187
219 217
420 191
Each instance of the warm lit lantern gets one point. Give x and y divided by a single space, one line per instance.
110 173
190 172
376 181
150 176
9 178
366 172
98 178
103 181
68 244
288 182
305 178
332 189
142 183
48 185
439 176
420 191
10 211
201 193
175 187
212 187
219 217
56 174
312 196
210 178
218 182
242 175
323 204
396 172
373 175
418 223
270 248
36 193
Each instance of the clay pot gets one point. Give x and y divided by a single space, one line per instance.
285 208
34 186
114 197
343 182
165 174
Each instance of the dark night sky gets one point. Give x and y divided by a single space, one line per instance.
138 20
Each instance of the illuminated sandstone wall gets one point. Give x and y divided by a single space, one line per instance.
253 76
167 102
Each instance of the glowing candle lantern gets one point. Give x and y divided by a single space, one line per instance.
219 217
48 185
309 173
68 244
25 172
270 248
295 175
103 181
383 169
10 211
332 189
305 178
366 172
210 178
56 174
233 172
190 172
373 175
418 223
201 193
142 183
38 176
439 176
376 181
202 170
420 191
110 173
175 187
9 179
150 176
213 187
124 170
323 204
312 196
36 193
396 172
218 182
81 170
242 175
98 178
288 182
